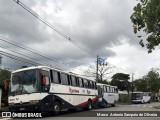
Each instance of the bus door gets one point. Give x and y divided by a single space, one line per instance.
108 94
100 91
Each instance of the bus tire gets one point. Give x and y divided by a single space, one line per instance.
105 105
56 108
89 105
113 105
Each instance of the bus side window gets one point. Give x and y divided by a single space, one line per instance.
69 80
109 89
116 90
73 79
80 82
95 85
45 80
45 77
64 79
113 90
85 83
59 77
104 88
77 81
149 94
55 77
89 84
51 76
99 90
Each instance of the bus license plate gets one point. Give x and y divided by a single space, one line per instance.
22 108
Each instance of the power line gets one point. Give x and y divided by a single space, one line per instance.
18 58
55 59
30 50
19 53
49 25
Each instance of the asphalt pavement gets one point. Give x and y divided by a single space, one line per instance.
130 108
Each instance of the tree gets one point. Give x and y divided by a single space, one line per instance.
104 82
141 85
146 19
4 75
103 70
153 80
121 81
149 82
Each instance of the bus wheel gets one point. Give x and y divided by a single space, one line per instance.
143 102
89 105
105 105
56 108
113 105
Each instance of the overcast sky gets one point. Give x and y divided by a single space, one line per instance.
100 27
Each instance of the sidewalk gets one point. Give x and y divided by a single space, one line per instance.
158 107
4 109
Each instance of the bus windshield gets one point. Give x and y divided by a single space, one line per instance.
137 95
24 82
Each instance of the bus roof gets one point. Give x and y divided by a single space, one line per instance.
48 68
141 92
31 68
105 84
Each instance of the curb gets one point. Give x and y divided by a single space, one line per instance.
158 107
124 103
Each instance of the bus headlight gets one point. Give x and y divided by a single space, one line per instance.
34 101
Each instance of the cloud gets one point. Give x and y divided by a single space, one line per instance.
99 27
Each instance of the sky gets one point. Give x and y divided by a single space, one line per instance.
99 27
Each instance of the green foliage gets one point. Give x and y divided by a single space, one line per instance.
146 19
153 80
141 85
103 81
150 82
121 76
4 75
121 81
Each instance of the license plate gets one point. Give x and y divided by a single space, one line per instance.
22 108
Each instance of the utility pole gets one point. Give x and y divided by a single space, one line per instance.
132 83
0 63
97 69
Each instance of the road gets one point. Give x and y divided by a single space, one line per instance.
131 107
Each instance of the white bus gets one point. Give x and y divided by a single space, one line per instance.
141 97
44 89
108 95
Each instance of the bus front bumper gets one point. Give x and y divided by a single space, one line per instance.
136 101
25 107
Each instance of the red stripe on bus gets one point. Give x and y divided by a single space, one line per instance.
85 103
